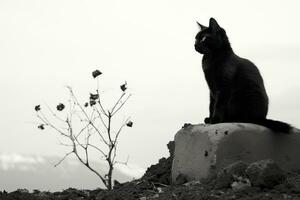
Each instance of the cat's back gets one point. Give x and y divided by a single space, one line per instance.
248 81
242 62
247 69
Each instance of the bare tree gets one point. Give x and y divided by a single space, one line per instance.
94 121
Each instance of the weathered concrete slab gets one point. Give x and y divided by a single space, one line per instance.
201 150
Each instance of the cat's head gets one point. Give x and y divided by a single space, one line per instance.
211 39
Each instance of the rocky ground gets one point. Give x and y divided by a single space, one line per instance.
261 180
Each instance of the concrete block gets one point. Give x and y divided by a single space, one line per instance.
201 150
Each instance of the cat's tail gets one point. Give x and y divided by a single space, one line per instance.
276 126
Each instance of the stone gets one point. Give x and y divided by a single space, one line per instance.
240 183
232 173
203 150
265 174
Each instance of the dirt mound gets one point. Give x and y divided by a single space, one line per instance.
155 184
161 172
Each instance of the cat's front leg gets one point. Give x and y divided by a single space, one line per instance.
220 107
207 120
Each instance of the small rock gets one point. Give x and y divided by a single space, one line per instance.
192 183
22 191
186 125
240 183
228 175
265 174
160 190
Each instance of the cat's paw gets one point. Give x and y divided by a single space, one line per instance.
207 120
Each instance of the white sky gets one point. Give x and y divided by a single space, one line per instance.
45 45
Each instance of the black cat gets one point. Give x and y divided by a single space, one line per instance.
237 92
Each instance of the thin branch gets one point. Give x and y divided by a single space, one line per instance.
102 108
100 104
112 110
109 127
120 129
66 145
86 148
93 170
100 116
80 144
41 115
102 152
86 155
46 122
78 116
67 154
121 105
81 131
115 154
53 113
73 96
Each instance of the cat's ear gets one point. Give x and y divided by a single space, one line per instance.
201 26
213 24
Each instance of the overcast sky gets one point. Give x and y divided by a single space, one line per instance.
45 45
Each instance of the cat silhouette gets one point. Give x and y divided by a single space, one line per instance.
237 91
